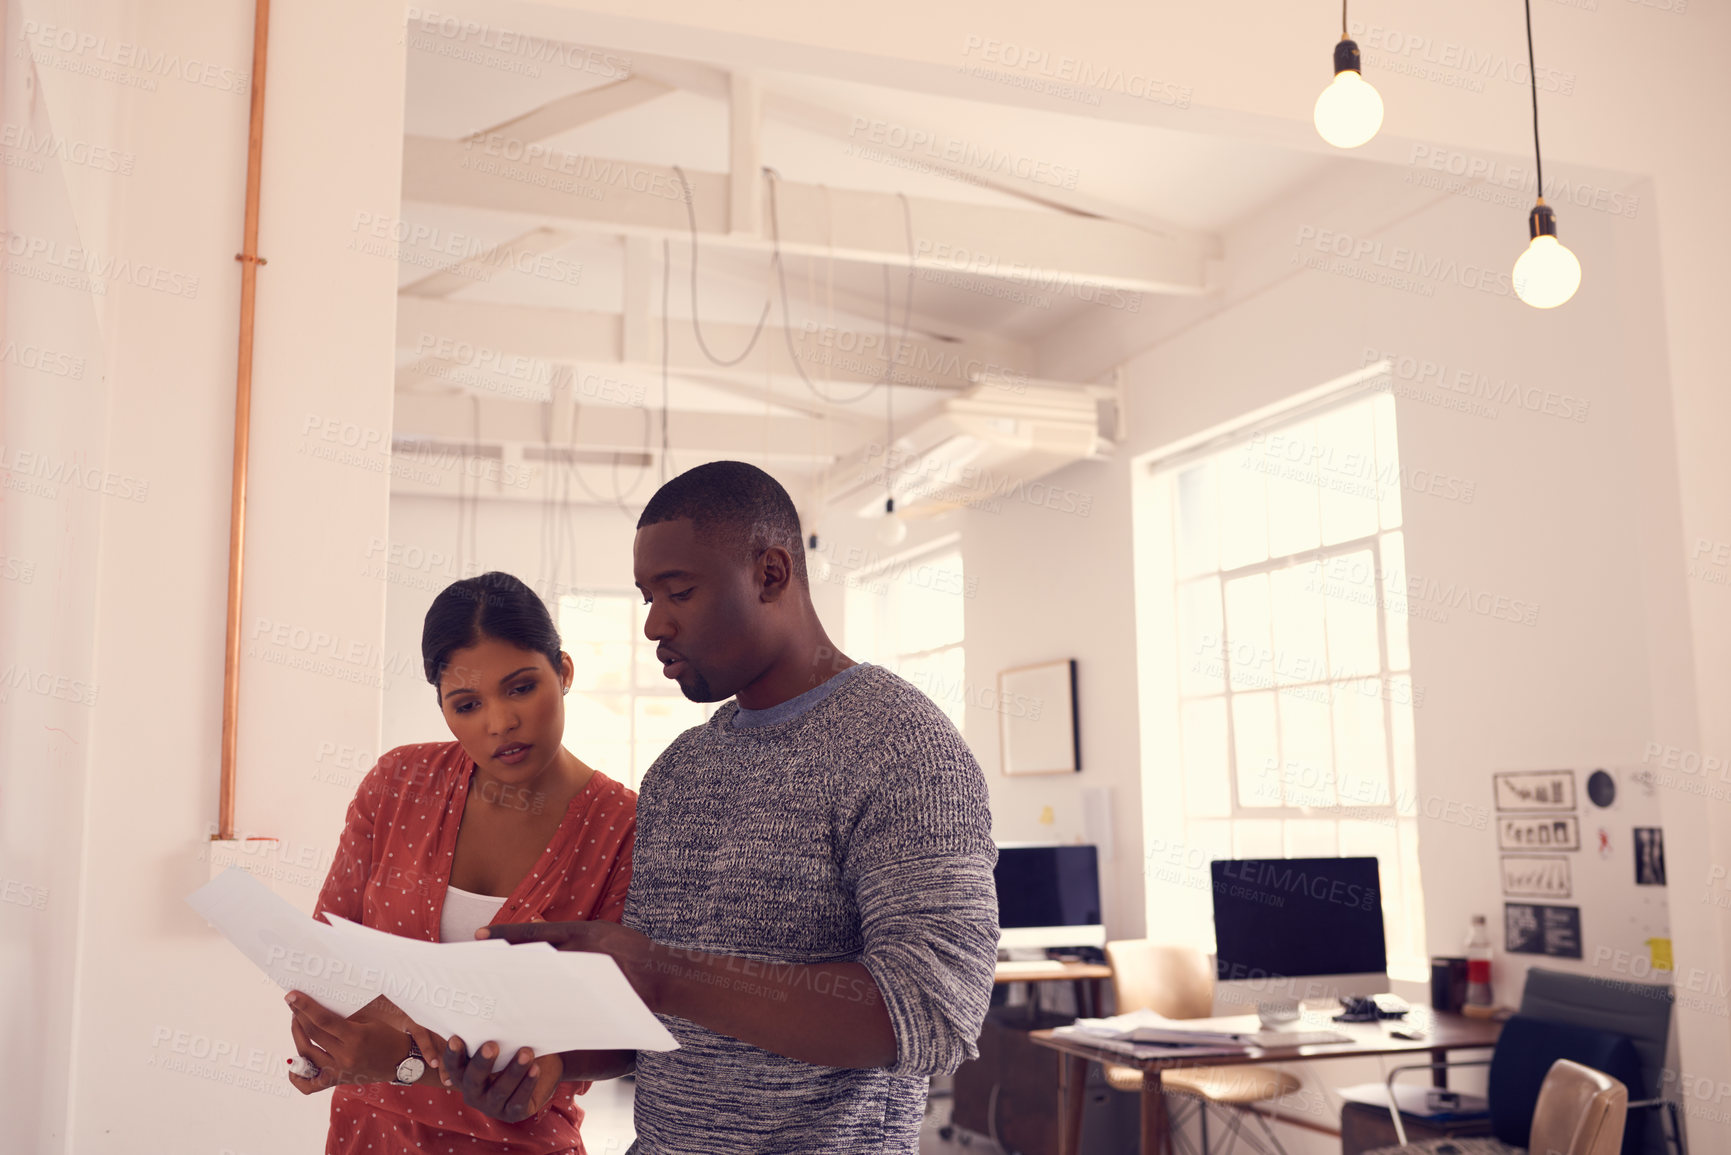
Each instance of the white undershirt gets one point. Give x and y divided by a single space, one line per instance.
466 912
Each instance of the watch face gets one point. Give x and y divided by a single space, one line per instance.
410 1070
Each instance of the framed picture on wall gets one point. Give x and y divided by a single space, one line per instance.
1037 728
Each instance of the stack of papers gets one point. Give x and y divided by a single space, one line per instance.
527 995
1144 1032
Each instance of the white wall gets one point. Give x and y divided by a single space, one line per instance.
53 418
116 837
136 1029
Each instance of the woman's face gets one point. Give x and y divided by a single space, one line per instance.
506 706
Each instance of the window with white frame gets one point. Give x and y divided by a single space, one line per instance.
621 712
906 615
1278 557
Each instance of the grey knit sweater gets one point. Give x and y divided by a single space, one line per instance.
856 831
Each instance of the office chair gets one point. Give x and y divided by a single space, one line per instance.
1580 1112
1178 983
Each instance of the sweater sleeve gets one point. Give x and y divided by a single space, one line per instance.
919 861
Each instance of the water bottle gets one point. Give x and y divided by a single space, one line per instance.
1479 955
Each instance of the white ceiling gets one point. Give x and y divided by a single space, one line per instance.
1151 177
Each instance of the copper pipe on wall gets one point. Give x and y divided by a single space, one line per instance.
249 265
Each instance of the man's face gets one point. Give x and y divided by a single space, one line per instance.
705 614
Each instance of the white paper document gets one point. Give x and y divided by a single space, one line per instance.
527 995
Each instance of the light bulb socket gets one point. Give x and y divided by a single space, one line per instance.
889 506
1346 57
811 542
1542 222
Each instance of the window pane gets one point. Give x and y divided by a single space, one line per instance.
1300 649
596 632
1294 523
1394 621
597 618
1350 476
1201 668
1207 793
865 607
593 720
600 665
1411 897
1243 510
1307 752
1207 842
1256 749
1400 723
1352 643
1198 521
614 759
1387 459
1360 747
1310 838
1258 838
927 598
1247 632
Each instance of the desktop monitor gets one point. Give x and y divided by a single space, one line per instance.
1288 929
1048 896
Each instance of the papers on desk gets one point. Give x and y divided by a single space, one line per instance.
528 995
1145 1034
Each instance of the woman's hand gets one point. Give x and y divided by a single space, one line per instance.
523 1088
357 1050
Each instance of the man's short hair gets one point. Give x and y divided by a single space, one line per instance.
733 505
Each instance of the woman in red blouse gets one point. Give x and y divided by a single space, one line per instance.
503 824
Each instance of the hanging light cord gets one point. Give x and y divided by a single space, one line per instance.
691 217
787 323
666 278
1533 77
1343 35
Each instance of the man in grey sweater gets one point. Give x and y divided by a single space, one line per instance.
811 911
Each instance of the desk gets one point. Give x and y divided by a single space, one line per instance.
1008 1091
1446 1033
1079 973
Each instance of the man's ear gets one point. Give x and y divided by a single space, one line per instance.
774 573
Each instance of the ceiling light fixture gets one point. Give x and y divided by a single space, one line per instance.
1547 274
1349 111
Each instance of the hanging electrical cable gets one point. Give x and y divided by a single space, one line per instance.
666 397
786 323
696 325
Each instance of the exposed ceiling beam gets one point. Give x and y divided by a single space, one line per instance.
484 266
744 155
577 109
603 428
1050 251
840 125
488 337
822 295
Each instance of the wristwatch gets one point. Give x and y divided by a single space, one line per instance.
410 1070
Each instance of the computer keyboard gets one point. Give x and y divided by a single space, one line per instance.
1026 966
1297 1038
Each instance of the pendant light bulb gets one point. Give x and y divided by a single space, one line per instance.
892 530
1547 274
1349 111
